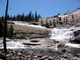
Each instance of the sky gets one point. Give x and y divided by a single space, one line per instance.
45 8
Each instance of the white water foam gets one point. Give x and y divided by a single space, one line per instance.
64 35
14 45
73 45
26 24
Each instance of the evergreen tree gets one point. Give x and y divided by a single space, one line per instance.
33 19
22 17
8 17
17 17
39 16
11 31
26 18
14 18
30 16
58 13
2 19
36 17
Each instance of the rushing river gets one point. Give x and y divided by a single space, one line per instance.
64 35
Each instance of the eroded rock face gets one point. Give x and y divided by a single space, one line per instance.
31 35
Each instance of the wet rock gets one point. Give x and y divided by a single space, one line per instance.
77 39
2 56
19 54
44 57
76 33
76 58
50 58
63 59
39 56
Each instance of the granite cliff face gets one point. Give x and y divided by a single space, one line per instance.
68 19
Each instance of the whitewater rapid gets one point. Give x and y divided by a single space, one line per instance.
62 34
65 35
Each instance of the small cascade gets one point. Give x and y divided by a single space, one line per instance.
14 45
64 35
26 24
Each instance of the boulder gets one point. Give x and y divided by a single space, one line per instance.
76 33
77 39
2 56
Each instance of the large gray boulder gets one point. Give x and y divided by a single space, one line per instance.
76 33
77 39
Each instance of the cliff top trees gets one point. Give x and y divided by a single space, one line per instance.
37 16
30 17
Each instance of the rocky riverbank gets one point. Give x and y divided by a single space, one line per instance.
46 50
31 55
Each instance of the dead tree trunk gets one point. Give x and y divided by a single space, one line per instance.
5 28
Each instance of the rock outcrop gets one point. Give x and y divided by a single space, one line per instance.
77 39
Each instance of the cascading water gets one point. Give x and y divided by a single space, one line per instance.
64 35
14 45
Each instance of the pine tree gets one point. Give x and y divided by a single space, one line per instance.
23 17
36 17
33 19
14 18
30 16
11 31
39 16
18 17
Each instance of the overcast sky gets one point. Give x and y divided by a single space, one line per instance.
43 7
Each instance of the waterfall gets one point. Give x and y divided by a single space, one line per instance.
64 35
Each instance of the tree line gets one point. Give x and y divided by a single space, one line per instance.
30 17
